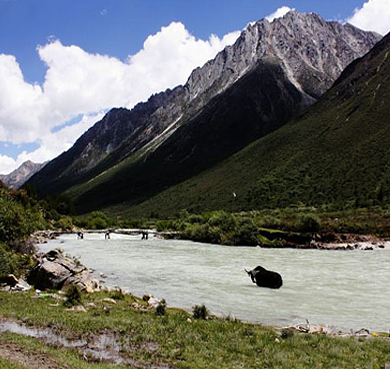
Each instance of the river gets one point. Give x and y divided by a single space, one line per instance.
346 290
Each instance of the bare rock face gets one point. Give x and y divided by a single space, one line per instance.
312 51
56 271
309 51
19 176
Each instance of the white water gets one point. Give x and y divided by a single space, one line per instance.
343 289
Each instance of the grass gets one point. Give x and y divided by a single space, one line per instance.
178 341
38 351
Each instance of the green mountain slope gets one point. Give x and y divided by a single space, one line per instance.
259 103
337 152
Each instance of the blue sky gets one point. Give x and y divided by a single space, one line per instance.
53 53
119 27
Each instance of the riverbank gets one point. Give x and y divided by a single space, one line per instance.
325 287
111 328
125 333
275 239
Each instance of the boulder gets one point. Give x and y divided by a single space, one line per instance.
11 283
54 270
9 280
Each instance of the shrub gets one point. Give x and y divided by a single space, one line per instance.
203 233
73 295
196 219
7 262
308 223
15 221
160 309
200 312
14 261
65 223
223 220
247 234
287 333
118 294
269 221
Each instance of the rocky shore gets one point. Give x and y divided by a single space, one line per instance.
326 241
323 241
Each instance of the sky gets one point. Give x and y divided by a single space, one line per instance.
65 63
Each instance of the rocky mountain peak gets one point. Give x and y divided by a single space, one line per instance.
312 51
19 176
279 66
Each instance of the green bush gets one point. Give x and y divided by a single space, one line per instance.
65 223
247 234
73 296
200 312
117 294
12 262
160 309
309 223
223 220
15 221
7 262
203 233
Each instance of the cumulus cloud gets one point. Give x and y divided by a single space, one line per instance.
80 83
51 144
7 164
373 16
279 13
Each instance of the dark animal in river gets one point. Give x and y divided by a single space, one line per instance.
265 278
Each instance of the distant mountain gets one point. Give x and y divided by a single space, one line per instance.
19 176
273 72
337 153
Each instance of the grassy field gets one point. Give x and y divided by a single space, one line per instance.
172 340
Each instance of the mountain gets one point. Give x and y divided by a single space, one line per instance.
252 88
19 176
337 152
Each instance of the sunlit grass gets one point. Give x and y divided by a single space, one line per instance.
178 340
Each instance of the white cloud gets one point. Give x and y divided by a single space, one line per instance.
373 16
278 14
77 82
51 144
7 164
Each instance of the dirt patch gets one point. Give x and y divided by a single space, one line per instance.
16 354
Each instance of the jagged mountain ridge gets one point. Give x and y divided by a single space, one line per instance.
336 153
310 52
19 176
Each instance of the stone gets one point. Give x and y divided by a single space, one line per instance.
11 283
21 286
78 309
153 301
54 270
9 280
110 301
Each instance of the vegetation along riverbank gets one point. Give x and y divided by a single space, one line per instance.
113 328
98 330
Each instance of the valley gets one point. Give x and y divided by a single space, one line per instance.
274 155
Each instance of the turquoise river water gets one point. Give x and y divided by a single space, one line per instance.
346 290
